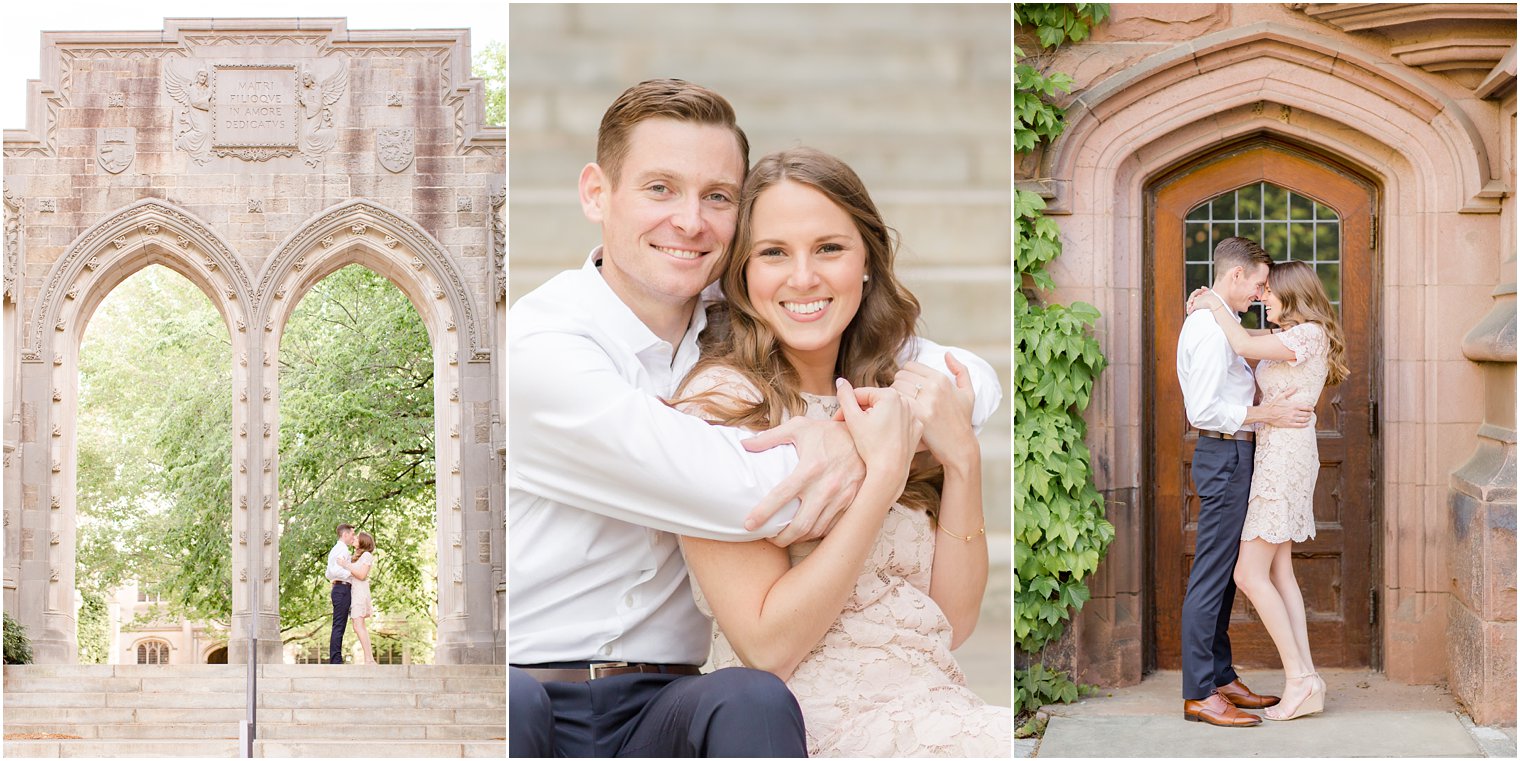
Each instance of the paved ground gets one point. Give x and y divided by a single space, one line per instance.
1365 716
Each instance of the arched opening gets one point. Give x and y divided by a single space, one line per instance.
469 526
357 446
217 655
153 455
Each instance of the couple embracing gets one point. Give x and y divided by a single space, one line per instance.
841 551
349 563
1254 470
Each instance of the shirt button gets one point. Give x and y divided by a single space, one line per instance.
628 601
606 650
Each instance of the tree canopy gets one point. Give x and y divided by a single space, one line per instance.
356 446
491 65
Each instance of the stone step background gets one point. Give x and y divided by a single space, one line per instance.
179 711
914 97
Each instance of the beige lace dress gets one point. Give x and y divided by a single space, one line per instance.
1281 507
361 604
882 682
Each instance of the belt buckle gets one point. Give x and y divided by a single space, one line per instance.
595 673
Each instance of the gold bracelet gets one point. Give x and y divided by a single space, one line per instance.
967 539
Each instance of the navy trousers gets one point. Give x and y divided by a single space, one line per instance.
1222 478
341 595
732 712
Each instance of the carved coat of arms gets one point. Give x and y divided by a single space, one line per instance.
395 147
117 147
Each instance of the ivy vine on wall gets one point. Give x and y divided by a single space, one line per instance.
1060 534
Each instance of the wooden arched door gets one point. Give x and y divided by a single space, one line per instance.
1303 208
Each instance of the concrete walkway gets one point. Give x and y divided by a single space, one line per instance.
1365 716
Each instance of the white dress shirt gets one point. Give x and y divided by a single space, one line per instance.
337 572
1217 385
603 474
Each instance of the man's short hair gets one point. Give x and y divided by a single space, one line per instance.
661 99
342 527
1239 252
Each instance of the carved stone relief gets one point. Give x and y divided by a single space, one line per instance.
255 111
395 147
118 146
12 243
192 117
499 243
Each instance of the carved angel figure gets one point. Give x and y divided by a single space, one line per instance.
314 98
192 118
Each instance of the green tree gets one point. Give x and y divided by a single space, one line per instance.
356 444
491 65
155 453
155 446
94 629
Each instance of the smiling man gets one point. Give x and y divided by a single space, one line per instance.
606 640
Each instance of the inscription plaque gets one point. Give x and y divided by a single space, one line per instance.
255 107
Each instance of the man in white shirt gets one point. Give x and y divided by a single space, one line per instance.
341 590
1219 390
605 639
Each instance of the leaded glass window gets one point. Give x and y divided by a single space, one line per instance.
1289 225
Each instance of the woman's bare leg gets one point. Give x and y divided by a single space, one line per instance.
362 630
1293 599
1253 575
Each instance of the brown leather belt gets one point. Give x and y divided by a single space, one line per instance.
1236 436
603 670
344 583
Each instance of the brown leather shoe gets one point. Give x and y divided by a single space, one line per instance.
1217 711
1238 693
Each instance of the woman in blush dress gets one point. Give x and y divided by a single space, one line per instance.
362 606
861 623
1298 359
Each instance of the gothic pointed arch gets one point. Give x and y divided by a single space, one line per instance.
366 233
361 229
149 231
146 232
1285 75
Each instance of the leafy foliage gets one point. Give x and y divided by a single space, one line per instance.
491 65
1060 534
18 646
94 629
356 444
1036 686
155 446
1036 119
155 452
1058 23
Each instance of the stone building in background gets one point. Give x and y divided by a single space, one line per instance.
255 157
1378 143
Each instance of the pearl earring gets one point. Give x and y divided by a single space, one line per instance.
866 278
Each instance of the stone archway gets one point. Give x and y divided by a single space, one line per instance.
1438 193
470 534
147 232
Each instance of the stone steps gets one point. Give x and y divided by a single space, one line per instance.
225 730
122 748
169 711
361 749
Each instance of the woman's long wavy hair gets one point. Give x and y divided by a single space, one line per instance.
363 543
1304 300
736 338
